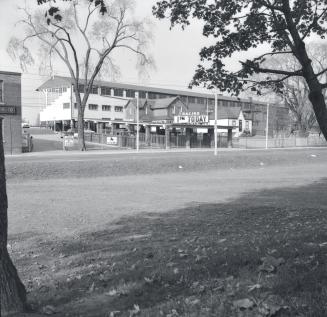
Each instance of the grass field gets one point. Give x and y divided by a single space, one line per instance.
243 234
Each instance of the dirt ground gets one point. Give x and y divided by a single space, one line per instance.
186 242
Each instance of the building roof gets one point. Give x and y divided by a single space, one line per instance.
162 103
156 103
229 113
61 81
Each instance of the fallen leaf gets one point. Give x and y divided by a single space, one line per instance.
244 303
49 310
135 311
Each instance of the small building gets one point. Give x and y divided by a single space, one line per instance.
11 111
156 111
235 117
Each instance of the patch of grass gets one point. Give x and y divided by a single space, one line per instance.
197 261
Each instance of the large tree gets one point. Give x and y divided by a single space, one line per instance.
84 35
12 290
279 27
294 92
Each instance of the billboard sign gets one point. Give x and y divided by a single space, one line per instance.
193 118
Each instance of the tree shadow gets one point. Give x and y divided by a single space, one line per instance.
152 259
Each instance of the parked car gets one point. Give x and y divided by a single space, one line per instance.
25 125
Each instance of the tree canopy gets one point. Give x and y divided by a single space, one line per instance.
280 27
83 35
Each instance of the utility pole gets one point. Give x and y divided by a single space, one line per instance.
137 121
216 110
267 125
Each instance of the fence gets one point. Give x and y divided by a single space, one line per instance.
280 142
159 141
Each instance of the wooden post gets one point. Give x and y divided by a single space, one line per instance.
229 137
167 136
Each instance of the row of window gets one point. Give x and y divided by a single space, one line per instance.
57 90
96 107
119 92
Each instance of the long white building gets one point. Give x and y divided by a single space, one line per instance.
107 106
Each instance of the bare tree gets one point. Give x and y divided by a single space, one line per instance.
84 37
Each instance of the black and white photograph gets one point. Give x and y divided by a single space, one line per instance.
163 158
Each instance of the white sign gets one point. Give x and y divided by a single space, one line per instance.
68 141
112 140
196 119
202 130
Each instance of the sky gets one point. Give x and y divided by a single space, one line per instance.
175 53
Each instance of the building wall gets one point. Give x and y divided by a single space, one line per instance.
195 102
12 123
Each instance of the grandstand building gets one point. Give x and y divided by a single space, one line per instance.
109 106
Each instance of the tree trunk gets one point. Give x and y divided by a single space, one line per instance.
319 106
80 130
12 290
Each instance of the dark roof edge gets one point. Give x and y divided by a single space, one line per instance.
10 73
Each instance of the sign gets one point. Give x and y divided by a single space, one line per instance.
112 140
68 141
7 110
194 118
202 130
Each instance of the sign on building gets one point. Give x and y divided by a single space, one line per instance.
195 118
112 140
68 141
7 110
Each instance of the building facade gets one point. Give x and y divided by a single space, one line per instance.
11 111
107 105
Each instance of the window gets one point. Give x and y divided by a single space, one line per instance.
240 125
75 105
152 95
106 91
142 94
1 91
246 106
200 101
211 102
66 105
106 108
119 92
94 90
130 93
93 107
191 99
184 99
118 109
224 103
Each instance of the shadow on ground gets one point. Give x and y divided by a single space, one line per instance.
196 261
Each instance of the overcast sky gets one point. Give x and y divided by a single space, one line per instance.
175 51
